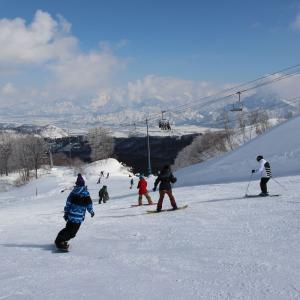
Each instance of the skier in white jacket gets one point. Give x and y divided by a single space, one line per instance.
265 172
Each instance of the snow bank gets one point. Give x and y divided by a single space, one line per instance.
110 165
280 145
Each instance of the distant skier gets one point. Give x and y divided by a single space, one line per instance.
101 175
265 173
164 179
103 194
142 186
107 175
131 183
77 203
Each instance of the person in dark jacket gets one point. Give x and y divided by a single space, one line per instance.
164 179
77 203
103 194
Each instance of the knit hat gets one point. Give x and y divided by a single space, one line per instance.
80 180
259 157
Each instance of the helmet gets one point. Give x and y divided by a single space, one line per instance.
259 157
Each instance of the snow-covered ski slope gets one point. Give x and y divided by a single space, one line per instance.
280 145
222 246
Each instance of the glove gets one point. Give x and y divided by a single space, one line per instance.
174 180
154 189
253 171
66 217
92 214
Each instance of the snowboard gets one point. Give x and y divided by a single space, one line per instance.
136 205
169 209
259 196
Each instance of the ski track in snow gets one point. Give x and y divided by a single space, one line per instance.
221 247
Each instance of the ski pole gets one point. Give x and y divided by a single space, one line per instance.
249 184
279 184
65 190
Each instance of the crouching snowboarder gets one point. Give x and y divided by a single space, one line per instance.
77 203
103 194
164 179
265 173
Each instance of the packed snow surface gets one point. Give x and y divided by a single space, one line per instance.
223 246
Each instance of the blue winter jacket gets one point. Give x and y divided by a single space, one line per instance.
77 203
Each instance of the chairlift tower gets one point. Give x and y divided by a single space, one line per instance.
148 147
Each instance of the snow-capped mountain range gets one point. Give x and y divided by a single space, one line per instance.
67 114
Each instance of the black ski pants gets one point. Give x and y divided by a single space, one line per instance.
67 233
263 184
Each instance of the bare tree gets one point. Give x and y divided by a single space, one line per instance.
264 123
202 148
228 131
242 125
22 160
5 152
30 153
101 143
253 120
37 152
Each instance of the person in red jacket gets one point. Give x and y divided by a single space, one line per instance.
142 186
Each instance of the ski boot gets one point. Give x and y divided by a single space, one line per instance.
264 194
64 246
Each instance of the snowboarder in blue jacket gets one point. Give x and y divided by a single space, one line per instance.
77 203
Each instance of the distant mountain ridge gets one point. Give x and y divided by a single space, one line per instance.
67 114
47 131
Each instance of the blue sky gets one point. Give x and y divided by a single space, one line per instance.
220 42
202 40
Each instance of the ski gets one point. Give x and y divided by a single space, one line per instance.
259 196
164 210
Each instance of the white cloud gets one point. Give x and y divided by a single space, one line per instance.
8 89
42 40
48 45
168 89
86 73
296 23
286 89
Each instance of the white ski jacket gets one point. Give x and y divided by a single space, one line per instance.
264 169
